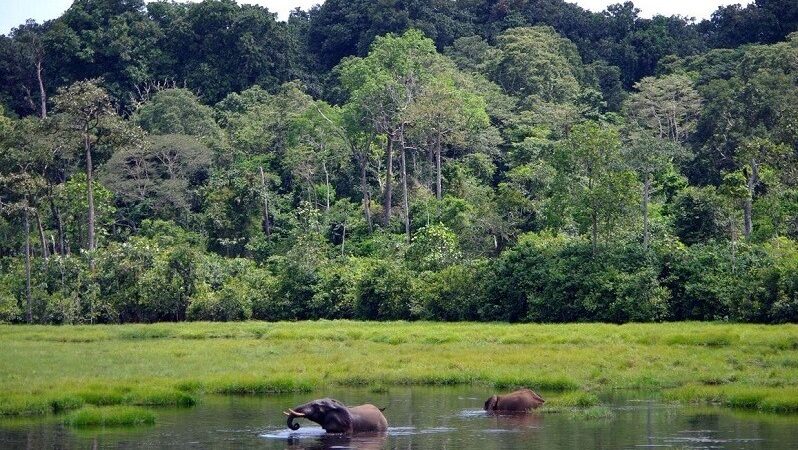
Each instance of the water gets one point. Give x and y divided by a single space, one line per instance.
422 418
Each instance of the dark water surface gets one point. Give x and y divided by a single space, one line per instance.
422 418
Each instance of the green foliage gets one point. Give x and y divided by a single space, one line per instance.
552 279
386 293
433 248
454 293
177 111
537 63
465 163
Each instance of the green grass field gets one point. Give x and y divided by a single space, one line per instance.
45 369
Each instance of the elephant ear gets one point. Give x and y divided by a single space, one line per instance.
490 404
337 418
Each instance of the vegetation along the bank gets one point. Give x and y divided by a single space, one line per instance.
46 369
467 160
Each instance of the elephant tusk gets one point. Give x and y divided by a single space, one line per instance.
286 413
295 413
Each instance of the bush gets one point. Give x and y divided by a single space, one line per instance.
336 291
433 248
386 293
61 309
548 278
9 309
453 294
232 302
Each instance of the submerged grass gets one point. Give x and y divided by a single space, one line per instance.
111 416
46 369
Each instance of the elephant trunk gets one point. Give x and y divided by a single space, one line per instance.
291 424
291 416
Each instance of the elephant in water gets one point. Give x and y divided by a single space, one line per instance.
522 400
335 417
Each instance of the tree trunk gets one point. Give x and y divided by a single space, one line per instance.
365 192
388 178
753 179
92 244
42 92
343 239
327 187
267 227
59 224
45 247
646 196
594 231
438 190
593 216
28 299
405 202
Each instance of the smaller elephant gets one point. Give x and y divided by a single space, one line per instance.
335 417
522 400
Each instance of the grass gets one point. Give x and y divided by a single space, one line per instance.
47 369
111 416
782 400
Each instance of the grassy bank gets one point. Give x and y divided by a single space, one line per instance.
52 369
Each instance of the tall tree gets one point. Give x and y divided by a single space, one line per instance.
87 120
662 113
597 186
384 85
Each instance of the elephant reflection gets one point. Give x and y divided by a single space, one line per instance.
361 441
514 420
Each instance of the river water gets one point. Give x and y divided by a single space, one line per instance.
423 418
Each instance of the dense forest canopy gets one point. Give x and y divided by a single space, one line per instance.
518 160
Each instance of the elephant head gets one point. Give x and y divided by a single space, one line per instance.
331 414
490 404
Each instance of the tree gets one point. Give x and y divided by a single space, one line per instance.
202 41
538 62
22 160
159 177
177 111
667 107
383 85
662 113
27 51
755 155
446 113
593 178
86 120
648 156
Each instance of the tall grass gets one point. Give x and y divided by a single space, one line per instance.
112 416
767 399
45 369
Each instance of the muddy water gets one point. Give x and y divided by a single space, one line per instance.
423 418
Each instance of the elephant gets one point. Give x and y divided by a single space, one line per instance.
335 417
522 400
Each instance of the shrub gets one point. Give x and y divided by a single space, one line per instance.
452 294
433 248
386 293
549 278
9 309
232 302
336 292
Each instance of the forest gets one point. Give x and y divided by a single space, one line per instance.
446 160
